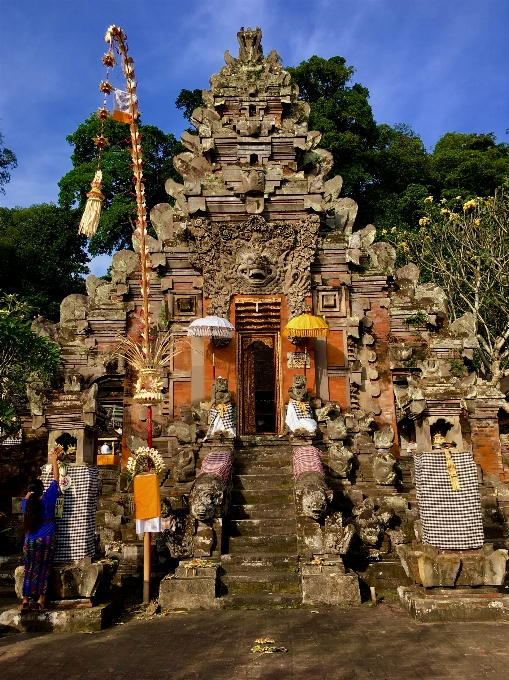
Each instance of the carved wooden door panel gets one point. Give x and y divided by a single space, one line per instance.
259 379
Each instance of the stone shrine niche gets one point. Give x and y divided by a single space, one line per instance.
255 257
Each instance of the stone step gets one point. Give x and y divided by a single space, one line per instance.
262 510
262 544
252 496
269 582
263 459
260 600
7 592
236 564
262 467
261 441
262 527
265 452
260 481
10 562
7 579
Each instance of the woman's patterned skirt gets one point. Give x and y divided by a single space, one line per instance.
38 555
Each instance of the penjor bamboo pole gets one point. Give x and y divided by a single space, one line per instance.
118 35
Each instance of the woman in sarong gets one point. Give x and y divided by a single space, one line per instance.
38 509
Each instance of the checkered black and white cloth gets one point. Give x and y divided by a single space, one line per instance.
302 409
307 459
451 520
222 419
218 463
76 528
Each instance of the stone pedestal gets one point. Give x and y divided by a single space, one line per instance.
84 579
76 619
190 588
328 583
464 606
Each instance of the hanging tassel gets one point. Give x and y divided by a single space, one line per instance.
92 213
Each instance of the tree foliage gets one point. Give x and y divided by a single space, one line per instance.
25 357
464 247
189 100
42 257
119 208
8 162
387 169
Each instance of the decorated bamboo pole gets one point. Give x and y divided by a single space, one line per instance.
148 358
117 35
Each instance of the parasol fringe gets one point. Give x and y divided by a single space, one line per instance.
306 332
92 213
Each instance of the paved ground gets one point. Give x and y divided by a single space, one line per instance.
379 643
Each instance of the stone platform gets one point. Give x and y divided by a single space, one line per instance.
70 620
455 606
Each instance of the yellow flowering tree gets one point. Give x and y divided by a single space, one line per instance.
463 245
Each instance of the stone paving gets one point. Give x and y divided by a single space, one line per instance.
326 644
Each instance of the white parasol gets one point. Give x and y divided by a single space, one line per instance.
210 327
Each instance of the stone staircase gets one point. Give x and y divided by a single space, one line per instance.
260 567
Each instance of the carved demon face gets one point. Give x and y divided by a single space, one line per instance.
369 532
314 502
256 269
299 381
202 503
221 384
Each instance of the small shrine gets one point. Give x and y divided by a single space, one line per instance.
320 401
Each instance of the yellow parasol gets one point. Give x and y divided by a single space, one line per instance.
306 326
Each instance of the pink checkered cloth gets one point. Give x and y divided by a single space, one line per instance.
307 459
217 463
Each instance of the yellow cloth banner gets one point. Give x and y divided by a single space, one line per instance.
147 501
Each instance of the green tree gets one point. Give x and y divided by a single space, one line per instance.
25 358
119 208
468 165
342 113
189 100
464 247
385 169
8 161
42 257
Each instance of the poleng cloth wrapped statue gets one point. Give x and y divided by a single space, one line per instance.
147 503
451 517
299 416
222 413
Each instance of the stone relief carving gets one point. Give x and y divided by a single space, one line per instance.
340 461
253 257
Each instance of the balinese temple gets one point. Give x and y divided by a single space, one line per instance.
258 233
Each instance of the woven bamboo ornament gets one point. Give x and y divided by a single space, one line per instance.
92 213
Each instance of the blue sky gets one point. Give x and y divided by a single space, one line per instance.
437 65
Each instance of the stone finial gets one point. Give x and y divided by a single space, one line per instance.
250 44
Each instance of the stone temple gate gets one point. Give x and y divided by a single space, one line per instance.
258 232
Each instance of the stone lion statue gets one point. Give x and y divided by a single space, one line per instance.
310 486
370 522
209 495
314 494
206 497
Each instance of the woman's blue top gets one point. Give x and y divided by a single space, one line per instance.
48 500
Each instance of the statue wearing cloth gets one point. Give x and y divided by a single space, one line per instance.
299 416
222 413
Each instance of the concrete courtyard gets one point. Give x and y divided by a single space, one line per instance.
324 644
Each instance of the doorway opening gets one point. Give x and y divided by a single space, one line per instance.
264 388
259 384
